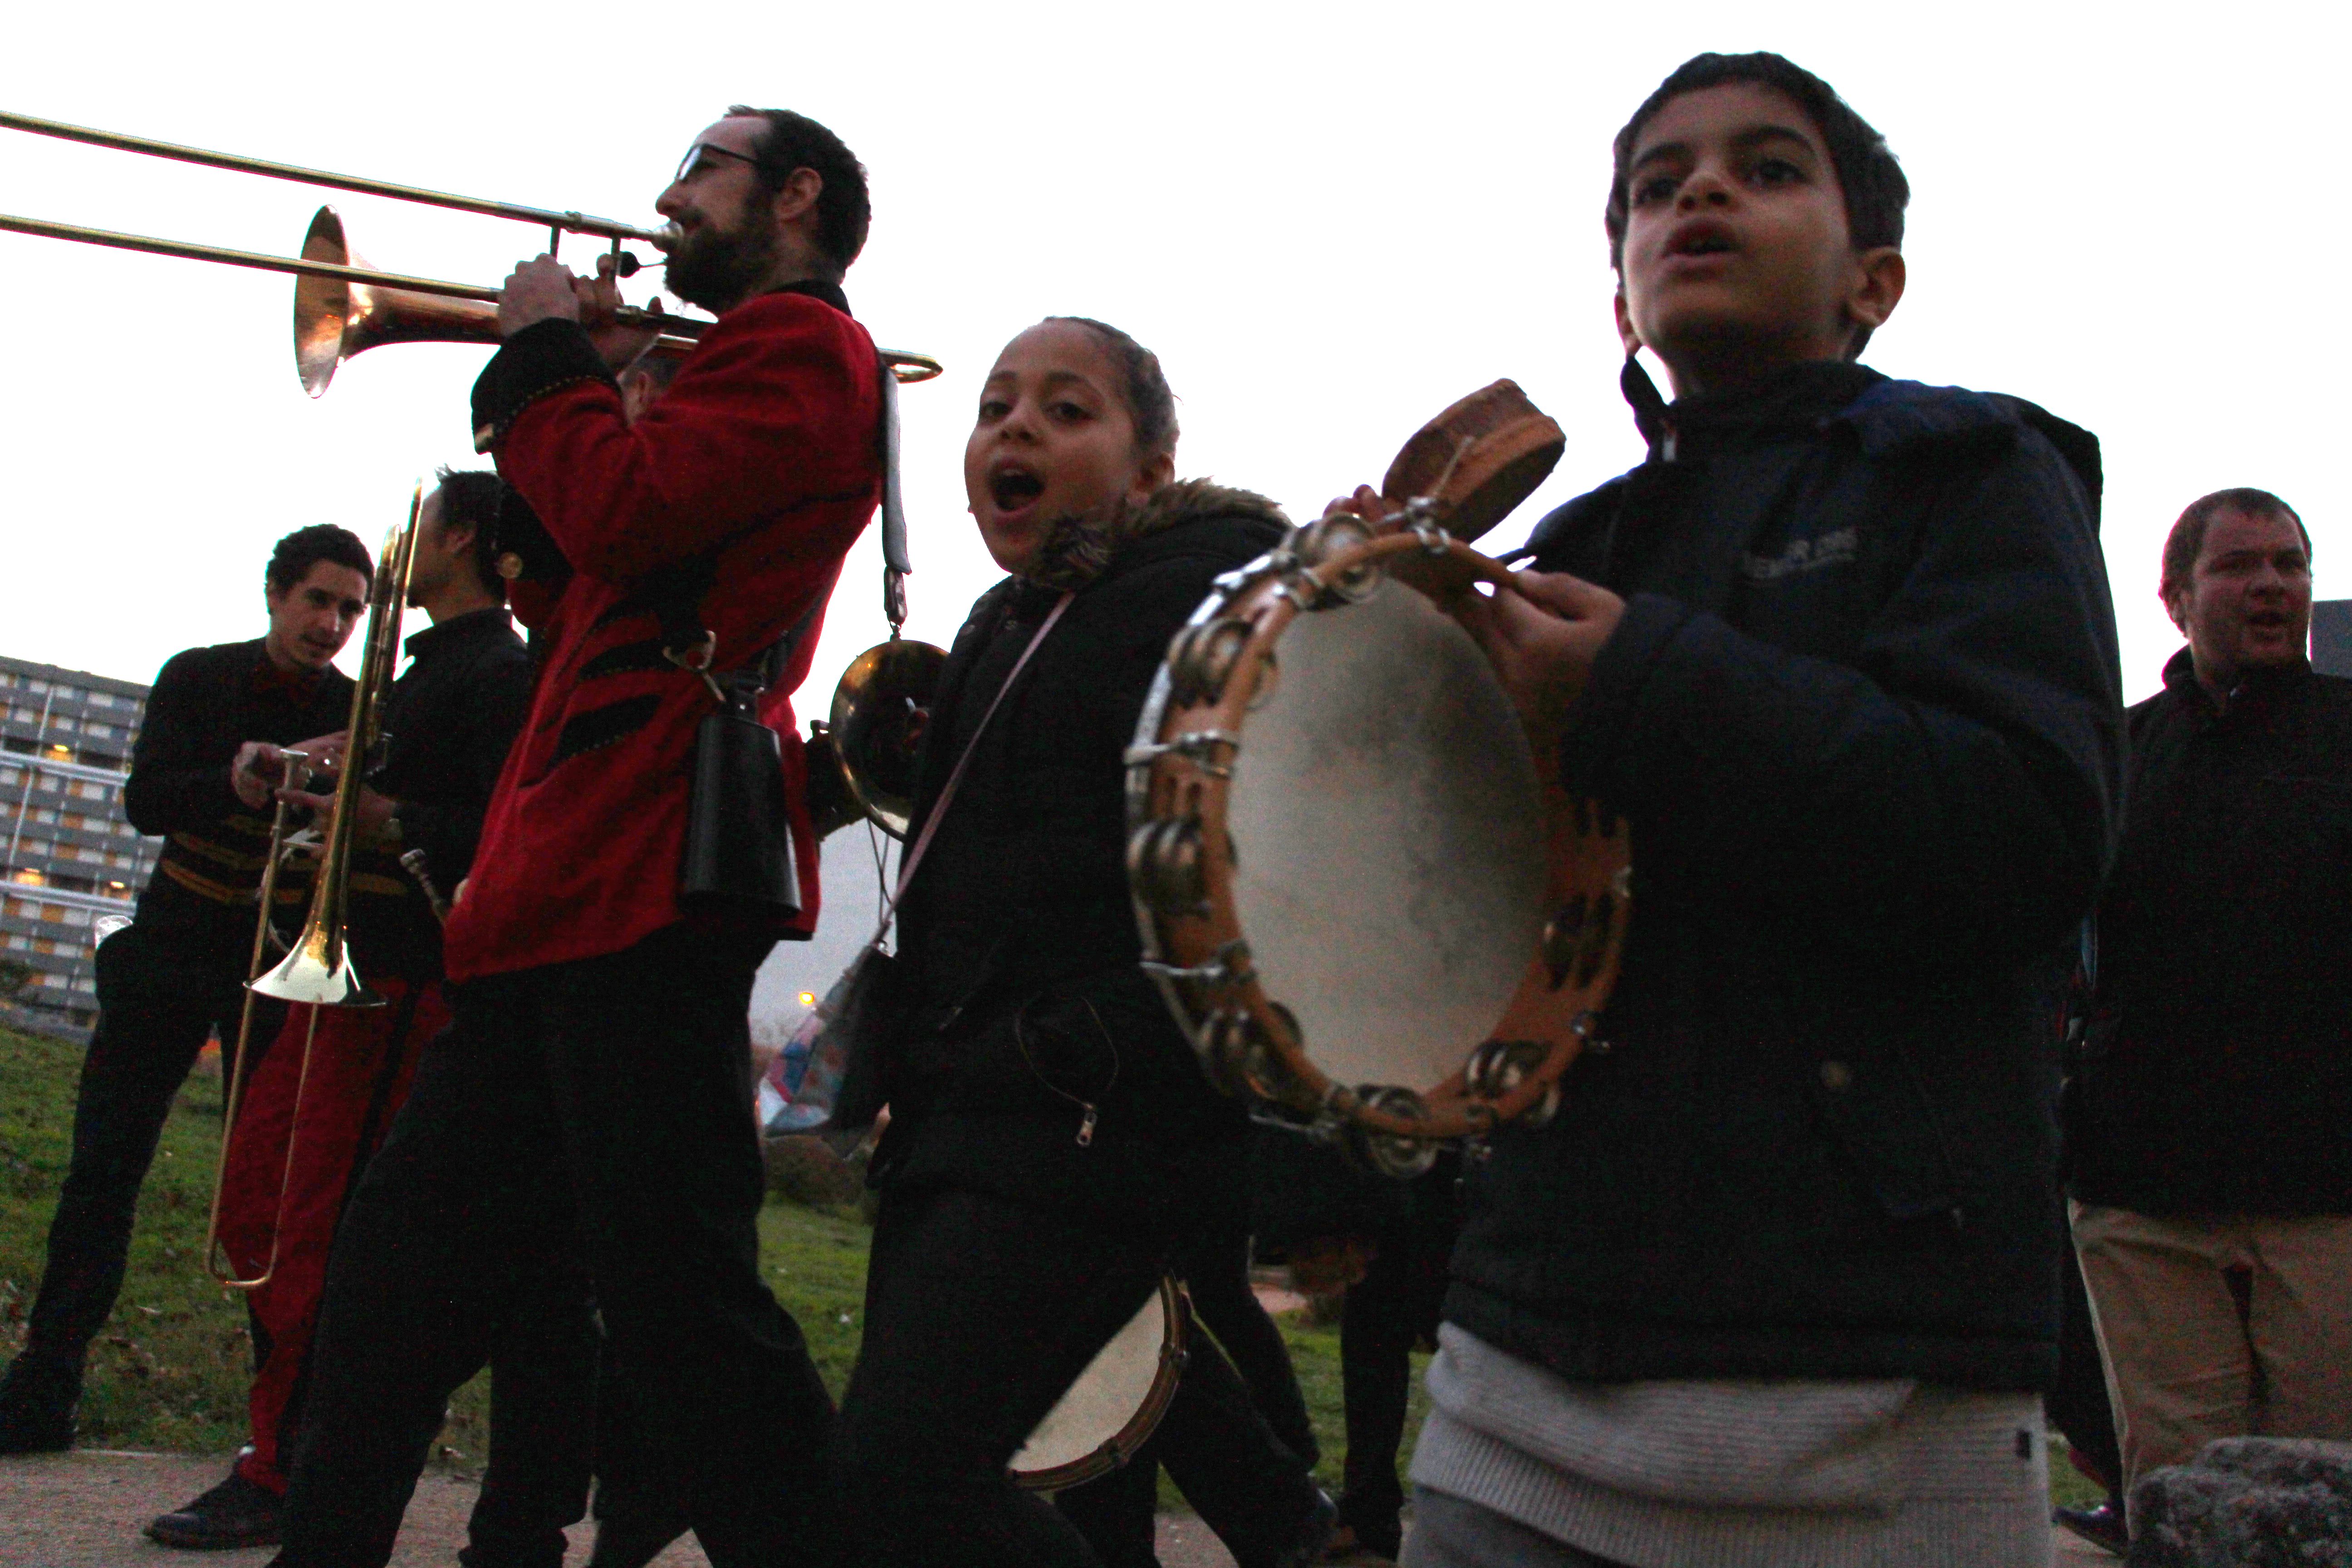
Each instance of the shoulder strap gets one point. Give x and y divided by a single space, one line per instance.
947 791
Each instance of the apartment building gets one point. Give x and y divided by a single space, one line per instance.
72 863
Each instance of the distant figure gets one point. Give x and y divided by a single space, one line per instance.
2212 1126
176 975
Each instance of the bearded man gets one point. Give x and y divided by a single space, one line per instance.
591 1101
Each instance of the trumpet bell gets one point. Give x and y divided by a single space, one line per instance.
879 711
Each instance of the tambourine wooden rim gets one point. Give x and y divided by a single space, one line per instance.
1180 860
1176 1326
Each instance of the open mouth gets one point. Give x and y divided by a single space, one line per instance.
1704 242
1013 488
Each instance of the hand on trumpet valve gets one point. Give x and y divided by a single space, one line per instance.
1542 641
374 809
541 290
260 768
619 346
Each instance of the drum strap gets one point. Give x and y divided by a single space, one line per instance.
946 791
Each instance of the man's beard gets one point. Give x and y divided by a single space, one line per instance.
716 269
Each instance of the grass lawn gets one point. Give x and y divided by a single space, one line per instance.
170 1371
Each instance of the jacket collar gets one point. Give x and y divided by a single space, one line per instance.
1080 547
816 288
473 626
1796 401
2255 689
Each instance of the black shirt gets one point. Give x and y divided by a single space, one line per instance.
448 724
206 704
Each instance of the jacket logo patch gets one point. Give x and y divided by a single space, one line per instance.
1802 555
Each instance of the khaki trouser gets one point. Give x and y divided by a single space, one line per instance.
2219 1326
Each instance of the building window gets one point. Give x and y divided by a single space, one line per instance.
18 943
31 877
101 699
36 686
87 986
35 847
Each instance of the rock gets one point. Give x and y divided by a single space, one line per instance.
2248 1503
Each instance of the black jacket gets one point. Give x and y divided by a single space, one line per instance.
1862 713
2217 1073
205 704
1018 944
449 721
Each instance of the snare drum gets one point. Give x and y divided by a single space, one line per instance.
1118 1401
1373 908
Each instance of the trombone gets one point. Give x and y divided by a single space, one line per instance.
317 972
343 306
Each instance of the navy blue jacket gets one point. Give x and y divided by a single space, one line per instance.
1863 714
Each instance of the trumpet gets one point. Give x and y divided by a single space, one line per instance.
317 972
343 306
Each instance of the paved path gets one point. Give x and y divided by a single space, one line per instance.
85 1510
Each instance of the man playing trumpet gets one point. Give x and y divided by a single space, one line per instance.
591 1093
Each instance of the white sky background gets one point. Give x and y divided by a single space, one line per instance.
1330 221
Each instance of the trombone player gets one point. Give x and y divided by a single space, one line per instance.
448 725
591 1092
175 975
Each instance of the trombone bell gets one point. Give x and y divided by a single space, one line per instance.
319 973
335 319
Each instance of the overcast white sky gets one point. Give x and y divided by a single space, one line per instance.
1329 220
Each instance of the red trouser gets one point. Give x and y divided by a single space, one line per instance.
360 1064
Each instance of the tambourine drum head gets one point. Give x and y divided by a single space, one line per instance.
1106 1396
1388 840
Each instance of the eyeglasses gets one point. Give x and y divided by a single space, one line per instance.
701 152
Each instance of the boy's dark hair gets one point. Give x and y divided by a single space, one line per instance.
1150 405
2186 542
795 141
304 548
1868 175
479 499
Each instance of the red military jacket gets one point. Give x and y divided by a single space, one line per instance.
764 456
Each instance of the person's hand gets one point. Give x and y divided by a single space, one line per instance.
373 810
324 753
1542 641
600 300
256 770
540 289
1365 503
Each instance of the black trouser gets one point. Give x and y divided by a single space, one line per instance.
1395 1306
979 1316
595 1111
161 994
1217 1454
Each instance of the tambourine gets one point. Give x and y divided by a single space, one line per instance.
1374 910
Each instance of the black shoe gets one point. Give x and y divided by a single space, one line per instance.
2102 1526
37 1398
626 1543
1363 1544
1314 1534
237 1513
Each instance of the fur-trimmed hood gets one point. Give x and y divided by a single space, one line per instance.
1081 544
